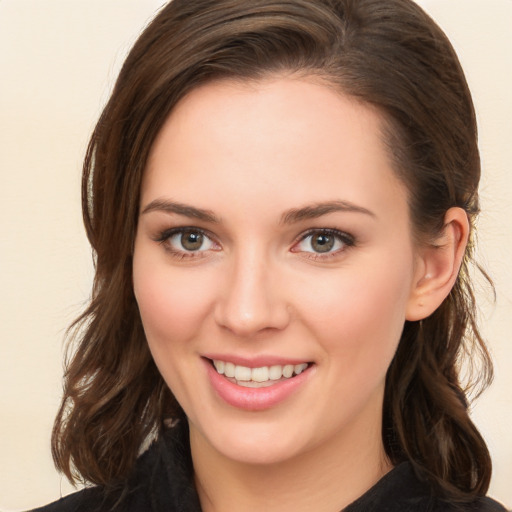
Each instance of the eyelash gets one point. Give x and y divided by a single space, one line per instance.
165 236
342 237
347 241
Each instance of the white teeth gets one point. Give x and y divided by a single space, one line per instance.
299 368
242 373
288 371
219 366
252 377
229 369
260 374
254 384
275 372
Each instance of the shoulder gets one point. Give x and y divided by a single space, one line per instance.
483 504
489 505
131 495
86 499
403 490
162 479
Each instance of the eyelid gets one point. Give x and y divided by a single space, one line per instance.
164 236
346 239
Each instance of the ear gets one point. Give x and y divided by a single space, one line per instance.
438 265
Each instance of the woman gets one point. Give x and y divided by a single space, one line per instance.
280 196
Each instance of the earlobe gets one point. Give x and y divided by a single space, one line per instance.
438 266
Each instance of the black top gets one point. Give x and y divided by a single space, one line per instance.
162 481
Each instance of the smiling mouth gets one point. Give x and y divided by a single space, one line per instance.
260 377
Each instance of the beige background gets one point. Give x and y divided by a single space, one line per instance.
58 60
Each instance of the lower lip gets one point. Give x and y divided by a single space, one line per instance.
254 399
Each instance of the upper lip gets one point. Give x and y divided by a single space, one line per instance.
255 361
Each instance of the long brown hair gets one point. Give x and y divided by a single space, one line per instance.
388 54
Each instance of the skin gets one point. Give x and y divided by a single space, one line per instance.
249 154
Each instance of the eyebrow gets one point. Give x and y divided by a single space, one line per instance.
180 209
319 209
292 216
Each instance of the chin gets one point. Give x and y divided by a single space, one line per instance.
253 442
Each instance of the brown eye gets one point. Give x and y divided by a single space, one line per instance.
191 240
322 242
187 240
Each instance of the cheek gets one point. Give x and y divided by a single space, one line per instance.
358 314
171 303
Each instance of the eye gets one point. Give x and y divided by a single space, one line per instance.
186 241
190 241
324 241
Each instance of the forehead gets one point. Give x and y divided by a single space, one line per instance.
282 110
285 139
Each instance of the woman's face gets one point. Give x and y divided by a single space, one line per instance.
274 242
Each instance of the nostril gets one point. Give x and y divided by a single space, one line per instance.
247 319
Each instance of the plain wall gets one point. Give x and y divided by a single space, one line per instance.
58 61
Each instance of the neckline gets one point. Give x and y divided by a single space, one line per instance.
399 483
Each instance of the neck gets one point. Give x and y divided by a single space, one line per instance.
326 478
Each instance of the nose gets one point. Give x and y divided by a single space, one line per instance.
252 300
